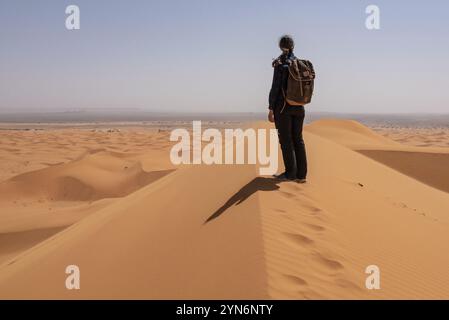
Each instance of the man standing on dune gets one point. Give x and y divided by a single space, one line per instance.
288 117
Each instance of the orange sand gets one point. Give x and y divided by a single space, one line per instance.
138 227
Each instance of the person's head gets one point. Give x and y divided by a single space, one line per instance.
286 44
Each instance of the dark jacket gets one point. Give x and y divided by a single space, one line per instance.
280 80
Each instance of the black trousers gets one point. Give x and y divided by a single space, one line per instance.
289 125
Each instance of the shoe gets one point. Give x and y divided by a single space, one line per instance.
282 177
301 180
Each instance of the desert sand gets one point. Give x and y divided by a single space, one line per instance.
420 137
138 227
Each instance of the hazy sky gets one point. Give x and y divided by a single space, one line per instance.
215 55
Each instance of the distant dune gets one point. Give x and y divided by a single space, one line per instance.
348 132
93 177
139 229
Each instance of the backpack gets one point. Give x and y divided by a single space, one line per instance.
300 83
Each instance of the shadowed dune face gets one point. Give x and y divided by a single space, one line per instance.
429 168
428 165
13 243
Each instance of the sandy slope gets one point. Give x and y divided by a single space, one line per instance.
355 212
155 244
223 232
56 177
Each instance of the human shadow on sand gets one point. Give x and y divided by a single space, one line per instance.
257 184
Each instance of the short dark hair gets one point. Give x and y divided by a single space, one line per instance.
286 42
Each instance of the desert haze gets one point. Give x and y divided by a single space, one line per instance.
107 199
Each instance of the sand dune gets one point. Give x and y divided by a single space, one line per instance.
355 212
31 200
348 132
50 192
29 150
12 243
95 176
155 244
223 232
430 168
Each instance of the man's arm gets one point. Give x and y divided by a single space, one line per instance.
275 88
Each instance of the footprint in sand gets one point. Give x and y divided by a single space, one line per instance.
11 262
295 280
300 239
328 263
312 209
347 285
315 227
288 194
294 188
